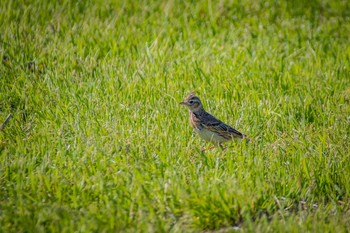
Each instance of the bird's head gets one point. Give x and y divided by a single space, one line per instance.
193 103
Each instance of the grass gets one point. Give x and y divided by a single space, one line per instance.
99 143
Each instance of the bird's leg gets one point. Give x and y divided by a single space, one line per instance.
210 148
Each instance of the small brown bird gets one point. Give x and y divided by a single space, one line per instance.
207 126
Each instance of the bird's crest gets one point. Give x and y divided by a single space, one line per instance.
192 93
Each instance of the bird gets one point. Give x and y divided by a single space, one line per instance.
207 126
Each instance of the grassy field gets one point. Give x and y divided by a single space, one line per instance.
99 143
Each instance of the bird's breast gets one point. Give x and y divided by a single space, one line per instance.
194 120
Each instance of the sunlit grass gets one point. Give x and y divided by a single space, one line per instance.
99 143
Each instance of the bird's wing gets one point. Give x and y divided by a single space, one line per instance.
214 124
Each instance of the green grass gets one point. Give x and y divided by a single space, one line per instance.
99 142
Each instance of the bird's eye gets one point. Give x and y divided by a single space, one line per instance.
191 101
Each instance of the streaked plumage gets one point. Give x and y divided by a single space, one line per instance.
207 126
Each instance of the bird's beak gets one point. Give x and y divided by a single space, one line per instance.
184 103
